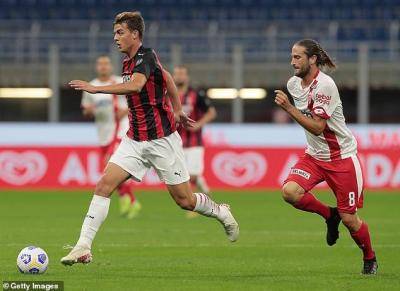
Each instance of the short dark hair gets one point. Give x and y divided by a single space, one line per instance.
133 20
313 48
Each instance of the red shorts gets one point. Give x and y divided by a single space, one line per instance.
344 177
108 150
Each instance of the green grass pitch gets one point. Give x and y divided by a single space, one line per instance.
280 248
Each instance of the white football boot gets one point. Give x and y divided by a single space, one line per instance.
228 221
77 255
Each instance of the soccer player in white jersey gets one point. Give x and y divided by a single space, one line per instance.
331 153
110 113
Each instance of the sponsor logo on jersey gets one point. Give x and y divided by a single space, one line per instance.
322 98
301 173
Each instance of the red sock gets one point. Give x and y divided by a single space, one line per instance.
363 240
311 204
126 189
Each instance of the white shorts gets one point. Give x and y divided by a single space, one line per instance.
164 154
194 157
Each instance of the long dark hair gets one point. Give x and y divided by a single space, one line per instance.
314 48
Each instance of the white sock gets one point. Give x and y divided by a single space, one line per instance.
202 185
95 216
205 206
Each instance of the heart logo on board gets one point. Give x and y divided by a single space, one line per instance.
239 169
22 168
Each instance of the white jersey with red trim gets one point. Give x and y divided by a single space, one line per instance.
105 108
322 98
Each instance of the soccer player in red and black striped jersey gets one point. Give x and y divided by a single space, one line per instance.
151 141
198 107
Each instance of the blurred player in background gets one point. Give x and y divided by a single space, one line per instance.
331 154
198 107
110 113
151 140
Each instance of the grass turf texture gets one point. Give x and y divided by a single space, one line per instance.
280 248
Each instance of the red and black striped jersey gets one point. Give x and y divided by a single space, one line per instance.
150 114
195 104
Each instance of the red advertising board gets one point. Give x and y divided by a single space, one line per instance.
225 167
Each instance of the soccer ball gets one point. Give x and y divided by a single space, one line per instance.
32 260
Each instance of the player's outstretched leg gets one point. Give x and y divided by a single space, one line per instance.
295 195
203 205
97 213
360 233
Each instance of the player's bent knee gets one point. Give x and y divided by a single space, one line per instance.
351 221
291 192
104 188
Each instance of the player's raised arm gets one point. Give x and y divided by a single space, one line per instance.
314 124
131 87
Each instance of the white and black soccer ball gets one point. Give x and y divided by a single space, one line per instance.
32 260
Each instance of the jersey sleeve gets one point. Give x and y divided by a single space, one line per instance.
145 64
326 99
203 102
87 100
291 85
